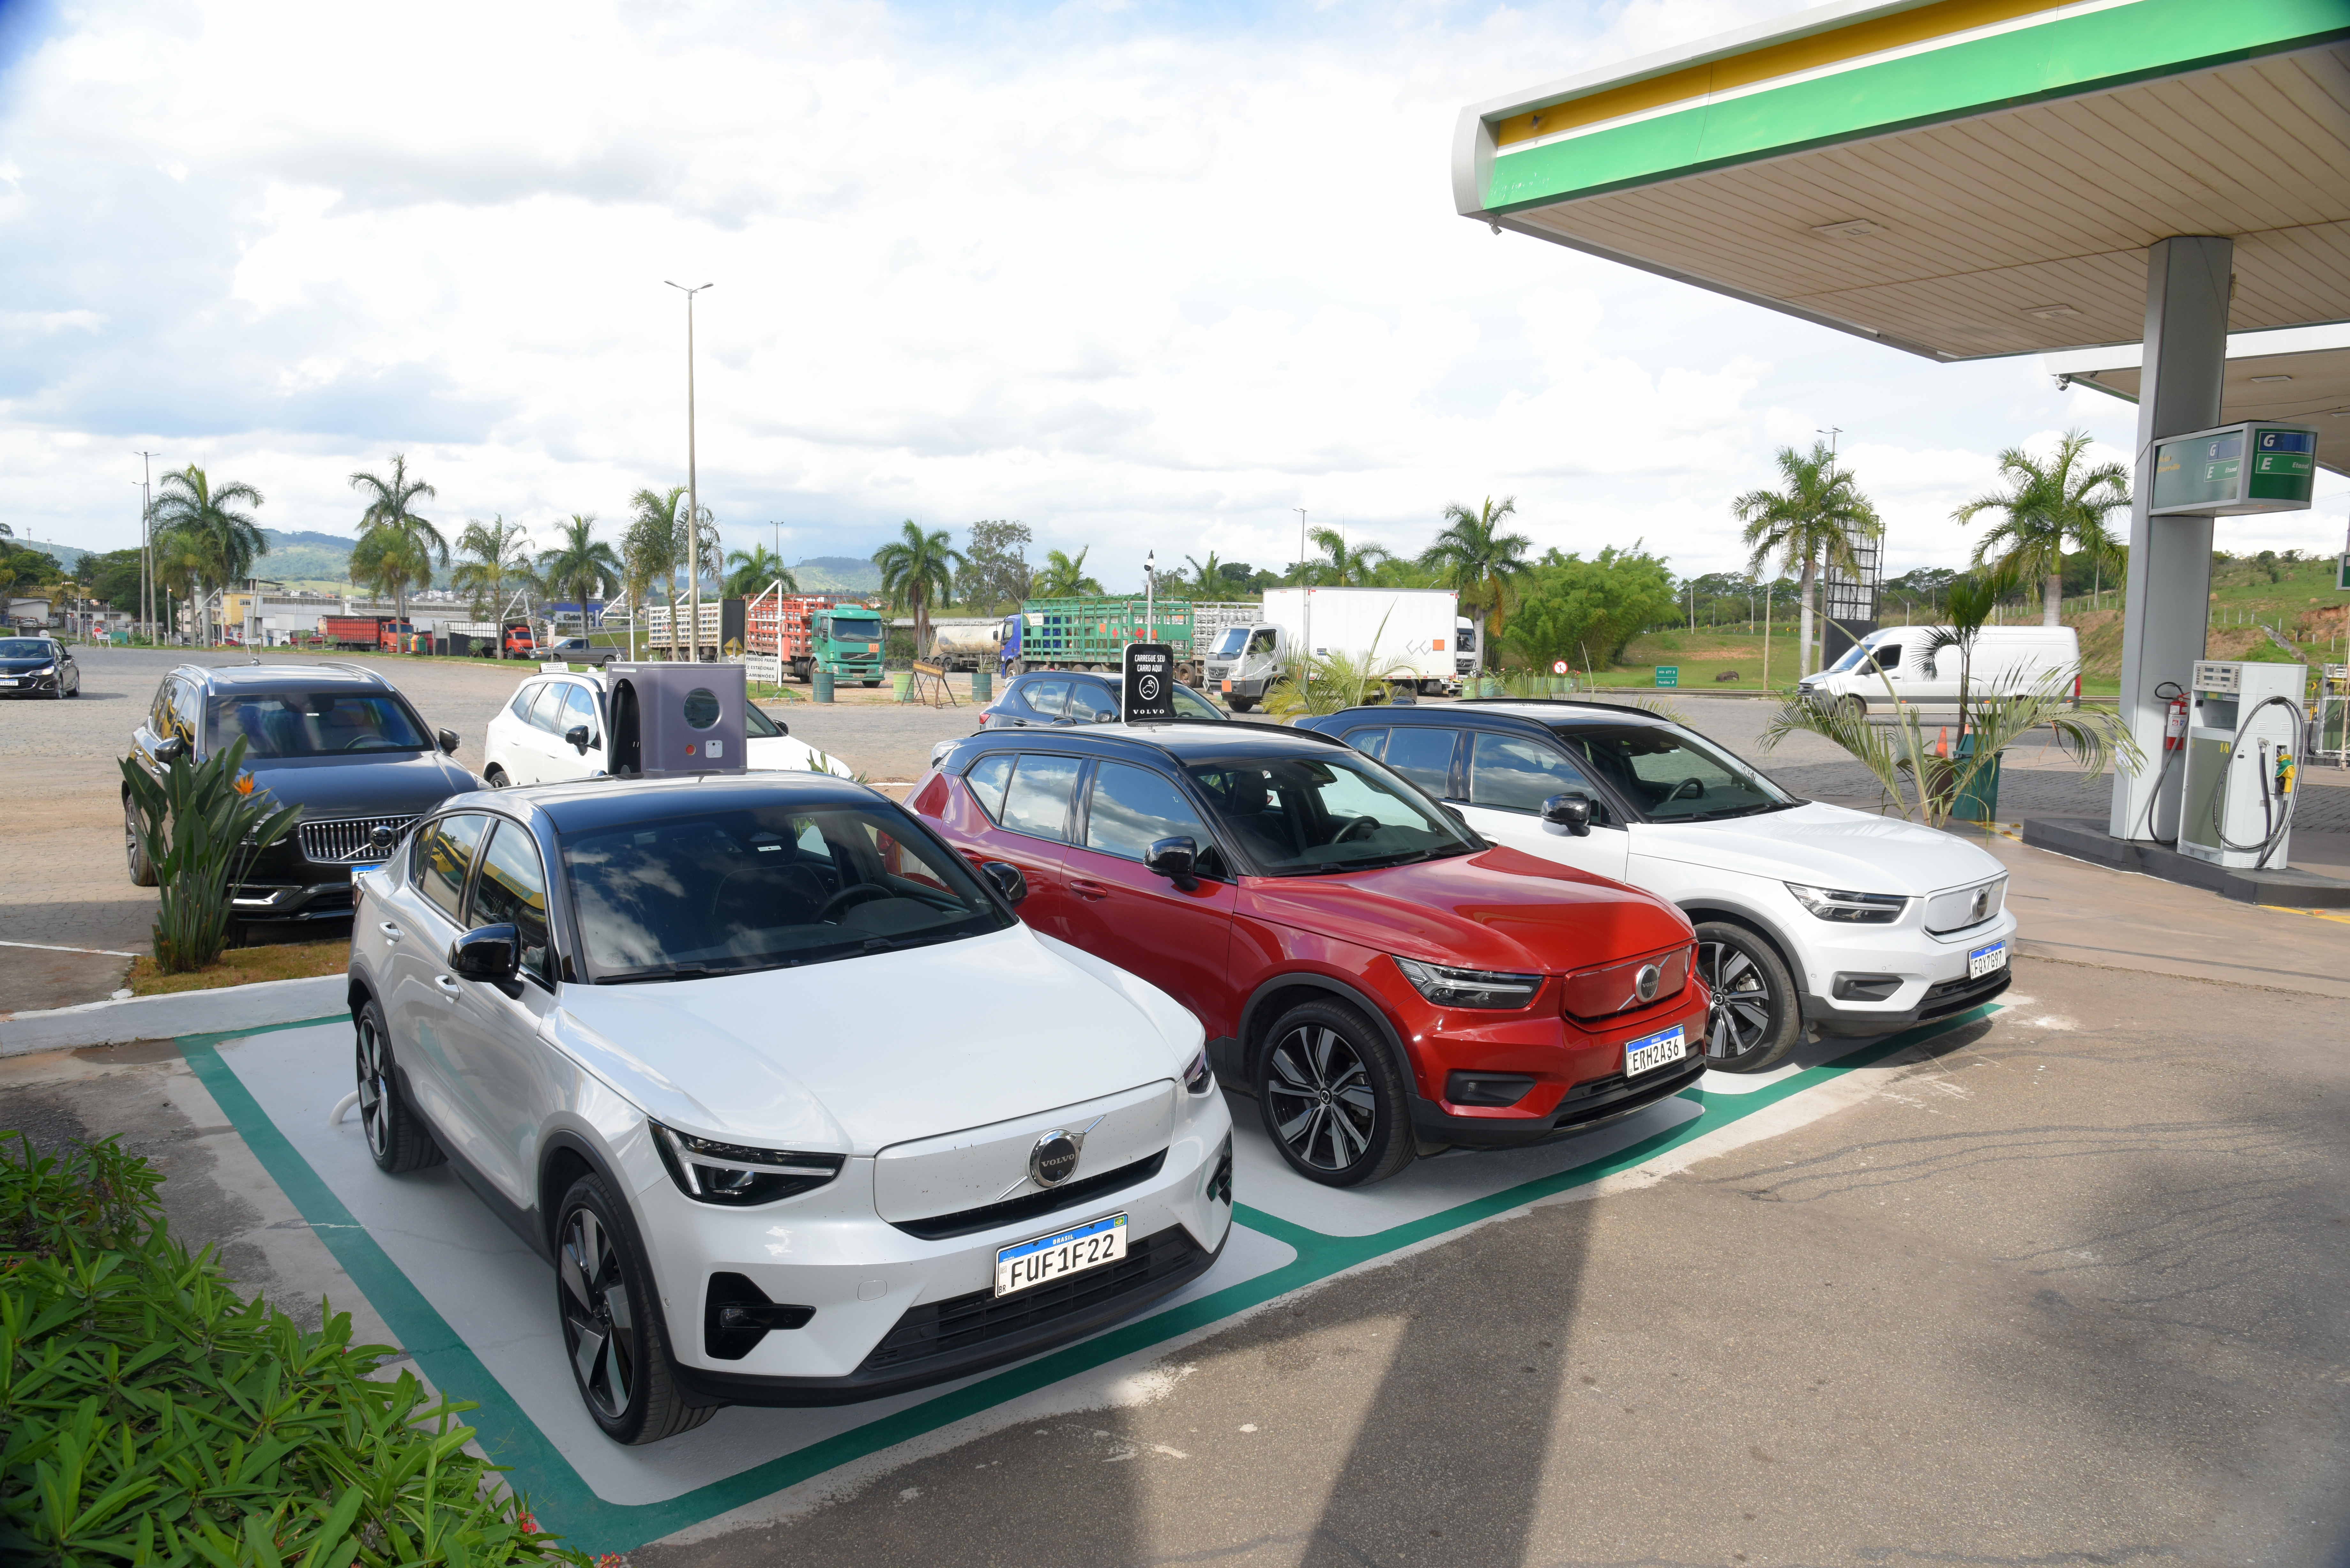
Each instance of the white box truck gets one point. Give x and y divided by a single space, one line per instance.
1408 633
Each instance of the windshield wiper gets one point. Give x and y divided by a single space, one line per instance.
671 971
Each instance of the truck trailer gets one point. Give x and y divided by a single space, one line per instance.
1406 635
842 637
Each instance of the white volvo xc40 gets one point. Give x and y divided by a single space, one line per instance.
797 1108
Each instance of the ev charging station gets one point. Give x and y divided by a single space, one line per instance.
675 720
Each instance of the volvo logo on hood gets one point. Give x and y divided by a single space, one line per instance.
1645 983
1054 1159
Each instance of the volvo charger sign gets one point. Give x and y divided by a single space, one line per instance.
1148 689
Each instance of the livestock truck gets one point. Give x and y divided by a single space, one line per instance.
1403 636
1092 634
842 637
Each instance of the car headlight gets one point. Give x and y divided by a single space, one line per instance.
42 670
1851 909
738 1176
1198 1078
1486 989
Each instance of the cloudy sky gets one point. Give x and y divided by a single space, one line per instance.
1140 275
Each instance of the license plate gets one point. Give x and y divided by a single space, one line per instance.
1986 959
1047 1257
1654 1050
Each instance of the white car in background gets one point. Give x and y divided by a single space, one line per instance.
554 730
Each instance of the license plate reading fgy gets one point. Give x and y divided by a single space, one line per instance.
1985 961
1071 1252
1654 1050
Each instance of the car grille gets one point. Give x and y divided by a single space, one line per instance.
340 843
1958 995
966 1322
1963 906
1053 1199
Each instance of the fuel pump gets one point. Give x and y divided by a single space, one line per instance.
2244 737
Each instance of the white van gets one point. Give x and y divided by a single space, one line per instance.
2017 658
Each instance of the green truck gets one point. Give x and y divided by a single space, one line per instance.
1092 634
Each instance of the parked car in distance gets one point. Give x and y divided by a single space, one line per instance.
1070 697
554 728
660 1028
1897 666
38 667
1807 914
338 741
1374 973
579 650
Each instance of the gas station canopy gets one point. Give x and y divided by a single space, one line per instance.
1957 178
2293 373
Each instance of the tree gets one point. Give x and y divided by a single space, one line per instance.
996 571
113 578
755 571
1340 566
655 542
388 563
1815 522
215 542
499 554
1585 612
917 571
1208 575
391 509
1063 578
2048 506
580 565
1476 559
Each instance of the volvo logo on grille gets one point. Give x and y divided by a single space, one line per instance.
1983 903
1054 1159
1645 982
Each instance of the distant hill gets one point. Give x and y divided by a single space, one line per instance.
66 556
838 574
304 555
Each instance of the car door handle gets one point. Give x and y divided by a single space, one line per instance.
1085 890
388 929
448 985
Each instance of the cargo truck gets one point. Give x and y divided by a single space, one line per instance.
1092 634
842 638
375 633
1408 636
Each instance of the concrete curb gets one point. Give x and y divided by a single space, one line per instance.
230 1007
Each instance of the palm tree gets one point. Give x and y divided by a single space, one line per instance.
1479 562
655 542
218 541
917 570
1341 566
579 563
757 570
1063 578
500 553
388 563
2047 507
1209 575
391 508
1813 523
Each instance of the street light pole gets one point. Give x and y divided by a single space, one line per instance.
693 491
146 540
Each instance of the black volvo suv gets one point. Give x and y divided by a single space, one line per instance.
337 740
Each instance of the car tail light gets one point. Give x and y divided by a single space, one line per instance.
1621 987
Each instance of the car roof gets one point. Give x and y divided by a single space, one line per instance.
1550 711
259 676
1185 740
585 805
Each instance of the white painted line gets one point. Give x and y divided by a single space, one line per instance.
52 948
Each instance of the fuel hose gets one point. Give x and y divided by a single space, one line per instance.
2279 824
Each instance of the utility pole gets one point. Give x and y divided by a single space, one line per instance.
146 541
693 492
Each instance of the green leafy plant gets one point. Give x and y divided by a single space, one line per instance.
150 1414
199 826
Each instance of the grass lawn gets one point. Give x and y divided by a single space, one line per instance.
244 966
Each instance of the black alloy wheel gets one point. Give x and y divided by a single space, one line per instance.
496 777
611 1332
1333 1102
142 870
397 1139
1754 1020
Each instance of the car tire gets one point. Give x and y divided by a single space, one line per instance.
1854 708
1756 1019
612 1331
396 1137
1333 1101
1241 704
495 776
142 870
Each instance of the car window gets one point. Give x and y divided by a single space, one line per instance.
756 725
1090 703
187 710
1038 799
1263 642
443 855
512 891
159 714
1045 696
986 781
579 708
1423 755
1887 656
1518 772
316 723
520 706
549 706
1672 775
1369 741
1192 705
1339 812
1132 808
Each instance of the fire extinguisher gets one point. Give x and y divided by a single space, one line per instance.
2174 721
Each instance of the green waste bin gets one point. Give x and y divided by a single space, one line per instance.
1979 802
902 685
983 684
820 685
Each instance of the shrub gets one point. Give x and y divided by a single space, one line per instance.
201 826
150 1415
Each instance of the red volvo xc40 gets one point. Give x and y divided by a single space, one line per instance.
1377 976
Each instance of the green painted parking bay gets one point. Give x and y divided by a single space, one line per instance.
475 1307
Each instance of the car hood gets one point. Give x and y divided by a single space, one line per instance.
854 1056
18 666
1500 908
405 784
1824 845
785 753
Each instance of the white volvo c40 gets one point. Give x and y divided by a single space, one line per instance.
799 1109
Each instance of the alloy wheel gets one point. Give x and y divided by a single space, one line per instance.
131 835
375 1091
599 1328
1323 1105
1740 1019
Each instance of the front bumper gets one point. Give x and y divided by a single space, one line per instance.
894 1312
28 685
1930 969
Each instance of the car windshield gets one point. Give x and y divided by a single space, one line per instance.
1229 645
1851 659
1672 775
316 723
1304 816
23 648
765 887
857 628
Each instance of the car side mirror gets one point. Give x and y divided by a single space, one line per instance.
170 749
781 728
492 953
1105 718
1454 813
1572 812
448 739
1176 859
577 736
1007 879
